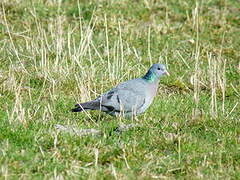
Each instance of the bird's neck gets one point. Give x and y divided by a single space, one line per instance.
150 77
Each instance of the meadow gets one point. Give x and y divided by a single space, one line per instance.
55 53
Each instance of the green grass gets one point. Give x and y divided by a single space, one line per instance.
56 53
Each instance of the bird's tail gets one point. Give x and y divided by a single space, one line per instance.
91 105
78 108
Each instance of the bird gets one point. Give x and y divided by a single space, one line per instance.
129 98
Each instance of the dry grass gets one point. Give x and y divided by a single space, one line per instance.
56 53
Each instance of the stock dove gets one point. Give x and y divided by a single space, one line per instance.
129 98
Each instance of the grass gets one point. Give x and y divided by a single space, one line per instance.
56 53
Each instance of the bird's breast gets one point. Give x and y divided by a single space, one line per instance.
149 96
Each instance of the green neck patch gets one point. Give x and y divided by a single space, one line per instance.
150 77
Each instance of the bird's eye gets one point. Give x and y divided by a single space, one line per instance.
158 68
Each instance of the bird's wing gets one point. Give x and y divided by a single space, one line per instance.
123 98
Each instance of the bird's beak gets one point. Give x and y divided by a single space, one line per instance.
167 73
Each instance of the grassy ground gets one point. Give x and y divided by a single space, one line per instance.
56 53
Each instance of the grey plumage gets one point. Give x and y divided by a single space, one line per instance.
129 98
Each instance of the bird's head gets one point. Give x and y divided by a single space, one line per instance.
155 72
